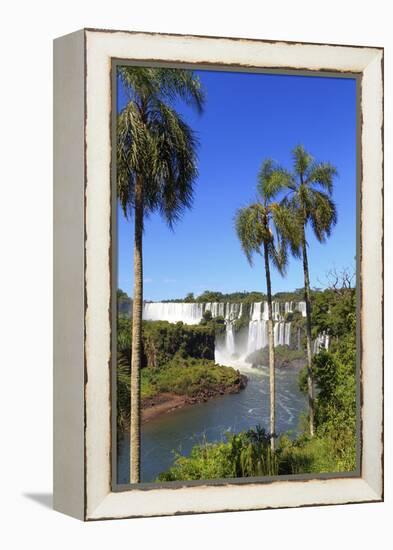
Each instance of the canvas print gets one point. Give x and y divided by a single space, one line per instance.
236 275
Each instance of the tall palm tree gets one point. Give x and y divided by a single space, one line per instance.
258 227
156 171
308 196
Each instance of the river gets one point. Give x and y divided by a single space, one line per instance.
181 429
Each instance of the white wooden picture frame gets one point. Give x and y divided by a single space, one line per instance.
82 272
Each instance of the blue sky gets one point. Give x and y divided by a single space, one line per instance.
247 118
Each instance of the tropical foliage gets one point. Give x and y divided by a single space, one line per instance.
247 454
335 374
156 171
259 229
189 377
239 297
308 191
195 379
155 144
161 341
176 359
333 446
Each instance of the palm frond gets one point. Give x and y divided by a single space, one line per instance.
177 171
287 221
183 84
323 174
139 82
155 143
278 253
304 202
302 160
250 224
272 179
323 215
135 153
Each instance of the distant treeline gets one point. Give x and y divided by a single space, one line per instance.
124 301
238 297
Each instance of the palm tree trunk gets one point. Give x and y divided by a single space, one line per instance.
136 358
307 298
272 374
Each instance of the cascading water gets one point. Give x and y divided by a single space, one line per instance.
230 339
321 342
232 347
173 312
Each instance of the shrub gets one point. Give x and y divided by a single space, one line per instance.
247 454
161 341
188 377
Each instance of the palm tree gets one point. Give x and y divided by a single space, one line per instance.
308 196
156 171
258 227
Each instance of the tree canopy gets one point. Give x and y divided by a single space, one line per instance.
154 141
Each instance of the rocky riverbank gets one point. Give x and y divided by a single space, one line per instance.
165 402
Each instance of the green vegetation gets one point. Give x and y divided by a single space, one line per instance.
175 362
245 454
243 297
333 312
231 297
333 446
176 358
190 377
124 303
296 295
308 192
333 449
241 323
261 229
235 297
162 341
215 325
306 455
156 172
335 377
196 379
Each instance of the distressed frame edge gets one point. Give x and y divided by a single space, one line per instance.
369 497
375 495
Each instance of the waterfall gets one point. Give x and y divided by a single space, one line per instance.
173 312
257 336
229 339
321 342
251 338
287 334
301 306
